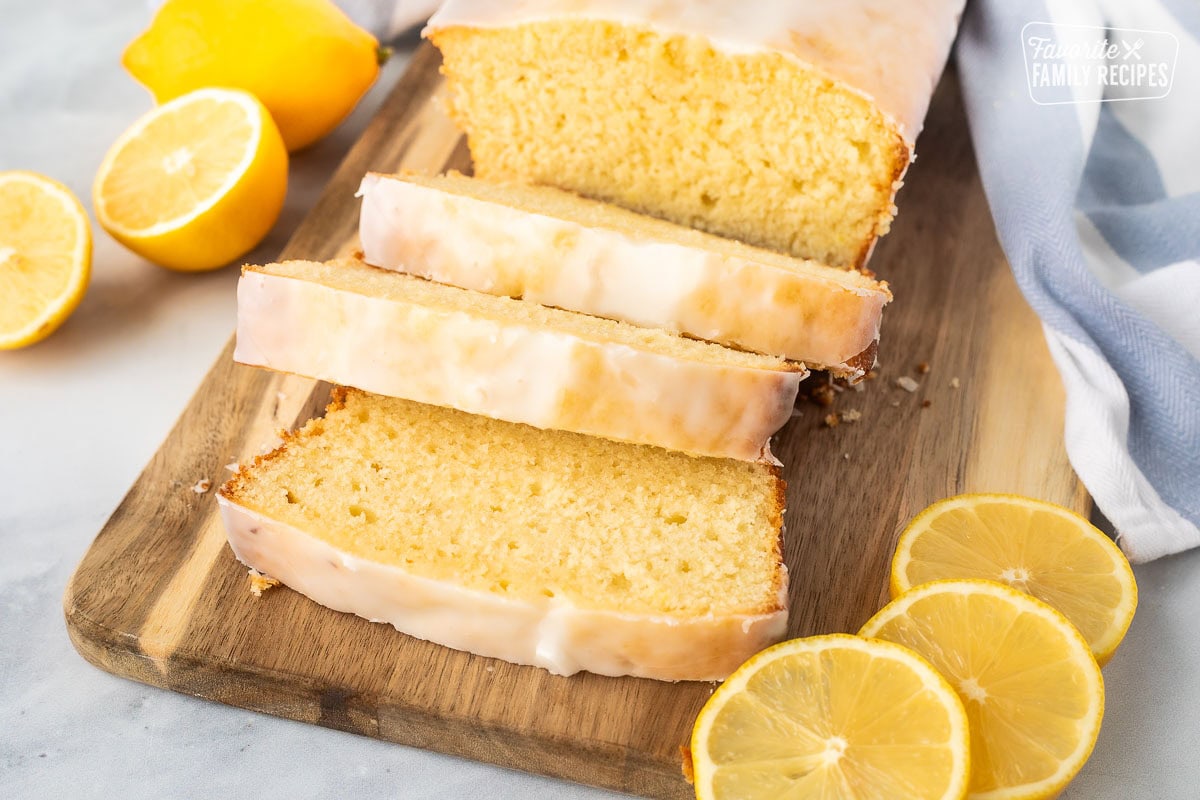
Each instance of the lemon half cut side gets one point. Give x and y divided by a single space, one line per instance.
45 257
196 182
832 717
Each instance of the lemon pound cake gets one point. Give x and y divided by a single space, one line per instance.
403 336
786 124
548 548
559 249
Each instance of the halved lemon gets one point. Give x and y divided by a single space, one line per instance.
1032 689
832 717
1036 547
196 182
45 257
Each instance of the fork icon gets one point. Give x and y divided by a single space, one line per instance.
1132 50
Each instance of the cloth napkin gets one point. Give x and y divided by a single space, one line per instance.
1098 208
1097 205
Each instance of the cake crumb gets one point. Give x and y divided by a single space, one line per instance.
233 466
926 403
846 456
907 384
895 404
260 583
822 394
849 416
955 383
202 486
923 368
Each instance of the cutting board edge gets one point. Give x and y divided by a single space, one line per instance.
296 698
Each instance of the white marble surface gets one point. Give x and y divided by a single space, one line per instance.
81 413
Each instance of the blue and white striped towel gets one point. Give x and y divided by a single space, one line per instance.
1098 208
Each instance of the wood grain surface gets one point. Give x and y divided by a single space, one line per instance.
159 597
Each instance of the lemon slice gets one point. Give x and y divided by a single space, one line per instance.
1031 687
1036 547
196 182
832 717
45 257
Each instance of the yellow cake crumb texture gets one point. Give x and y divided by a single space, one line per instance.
526 513
260 583
755 147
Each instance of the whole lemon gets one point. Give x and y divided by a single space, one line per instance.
304 59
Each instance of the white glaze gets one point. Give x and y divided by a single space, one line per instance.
818 315
511 371
890 52
557 634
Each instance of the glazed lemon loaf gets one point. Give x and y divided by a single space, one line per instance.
786 124
403 336
563 551
558 249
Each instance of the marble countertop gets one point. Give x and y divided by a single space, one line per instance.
81 414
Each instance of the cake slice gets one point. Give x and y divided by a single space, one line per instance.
548 548
402 336
786 124
558 249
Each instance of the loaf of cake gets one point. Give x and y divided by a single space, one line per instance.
782 124
403 336
558 249
548 548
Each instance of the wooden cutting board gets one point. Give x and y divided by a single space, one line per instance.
160 599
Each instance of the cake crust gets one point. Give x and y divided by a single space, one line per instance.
646 272
548 378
